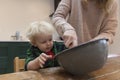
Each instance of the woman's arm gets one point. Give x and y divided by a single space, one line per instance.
110 23
59 17
65 30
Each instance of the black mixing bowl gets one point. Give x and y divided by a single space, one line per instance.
84 58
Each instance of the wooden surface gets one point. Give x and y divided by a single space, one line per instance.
110 71
18 64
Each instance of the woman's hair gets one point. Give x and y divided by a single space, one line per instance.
39 28
102 4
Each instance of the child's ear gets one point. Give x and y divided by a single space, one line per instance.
34 43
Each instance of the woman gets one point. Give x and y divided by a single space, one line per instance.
79 21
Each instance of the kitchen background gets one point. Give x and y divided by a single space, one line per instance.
15 15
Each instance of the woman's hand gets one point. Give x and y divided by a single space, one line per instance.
43 58
70 38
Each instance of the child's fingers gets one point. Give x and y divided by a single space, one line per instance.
41 62
43 57
50 56
46 56
41 65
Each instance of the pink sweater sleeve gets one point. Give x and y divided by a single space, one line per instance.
110 23
59 17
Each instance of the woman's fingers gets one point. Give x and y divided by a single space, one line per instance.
70 38
68 41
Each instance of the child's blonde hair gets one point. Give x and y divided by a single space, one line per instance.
39 28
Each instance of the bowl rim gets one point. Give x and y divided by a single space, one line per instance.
81 45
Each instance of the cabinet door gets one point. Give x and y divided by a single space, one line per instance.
8 51
4 58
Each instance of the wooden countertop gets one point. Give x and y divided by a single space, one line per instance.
110 71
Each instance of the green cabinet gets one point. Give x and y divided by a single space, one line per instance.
9 50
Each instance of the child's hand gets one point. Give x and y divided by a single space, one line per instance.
43 58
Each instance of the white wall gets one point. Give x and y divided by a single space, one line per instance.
16 14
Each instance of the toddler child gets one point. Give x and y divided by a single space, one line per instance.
43 48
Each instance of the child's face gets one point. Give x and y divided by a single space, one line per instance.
44 42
